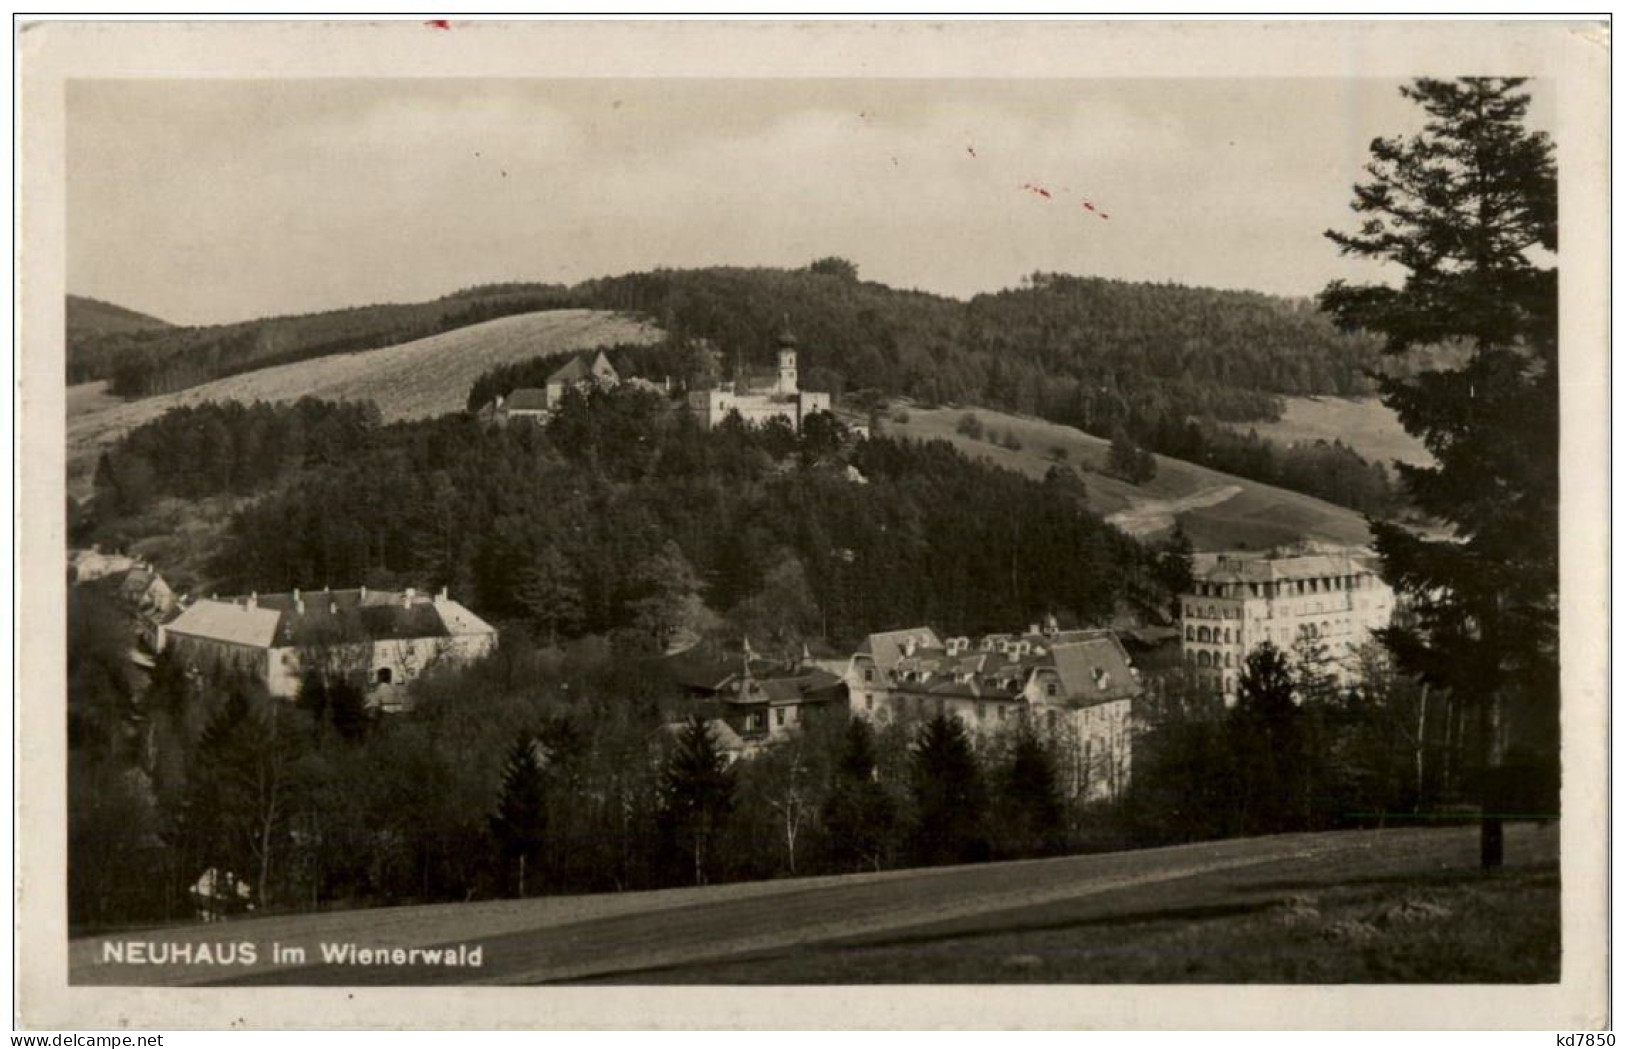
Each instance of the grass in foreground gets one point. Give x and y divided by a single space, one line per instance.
1455 928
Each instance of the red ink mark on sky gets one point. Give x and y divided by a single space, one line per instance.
1104 215
1040 190
1088 205
438 23
970 150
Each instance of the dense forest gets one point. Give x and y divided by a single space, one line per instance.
1085 351
623 515
1168 365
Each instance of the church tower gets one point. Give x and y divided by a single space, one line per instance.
787 363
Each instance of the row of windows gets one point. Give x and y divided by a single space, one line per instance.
1202 633
1317 585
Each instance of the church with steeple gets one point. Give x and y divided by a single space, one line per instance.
778 397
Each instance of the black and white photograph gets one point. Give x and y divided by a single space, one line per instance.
725 507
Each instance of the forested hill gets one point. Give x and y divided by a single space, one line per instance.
90 317
1083 351
144 360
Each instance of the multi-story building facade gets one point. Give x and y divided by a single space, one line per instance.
1078 687
1332 600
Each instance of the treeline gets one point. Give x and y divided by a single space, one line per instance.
622 515
1092 352
141 362
226 448
1299 753
1328 470
1163 364
1085 351
529 773
86 316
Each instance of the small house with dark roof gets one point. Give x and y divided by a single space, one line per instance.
538 403
379 640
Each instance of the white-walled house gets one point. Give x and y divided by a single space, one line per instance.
379 640
1078 687
758 403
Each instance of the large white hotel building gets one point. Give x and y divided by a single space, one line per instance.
1240 600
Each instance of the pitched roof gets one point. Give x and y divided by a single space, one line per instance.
1094 671
1241 568
573 370
227 621
326 617
528 398
887 647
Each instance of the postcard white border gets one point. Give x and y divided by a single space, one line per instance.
1573 54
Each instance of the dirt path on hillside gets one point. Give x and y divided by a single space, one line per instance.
1157 515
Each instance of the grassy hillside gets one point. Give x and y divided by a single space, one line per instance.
143 360
413 380
1218 511
1363 423
87 317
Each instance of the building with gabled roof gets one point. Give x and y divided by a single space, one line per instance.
1078 687
538 403
378 640
762 700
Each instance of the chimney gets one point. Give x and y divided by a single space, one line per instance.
298 604
1032 628
408 597
442 597
253 600
332 608
908 648
363 593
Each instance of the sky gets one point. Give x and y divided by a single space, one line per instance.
209 201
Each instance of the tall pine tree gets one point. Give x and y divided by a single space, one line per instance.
949 795
520 822
1468 209
698 792
858 813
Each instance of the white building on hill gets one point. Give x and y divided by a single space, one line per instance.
781 397
377 639
1333 598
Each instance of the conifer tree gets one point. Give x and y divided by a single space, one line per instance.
949 795
858 814
520 822
1467 209
1029 802
698 792
1266 730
